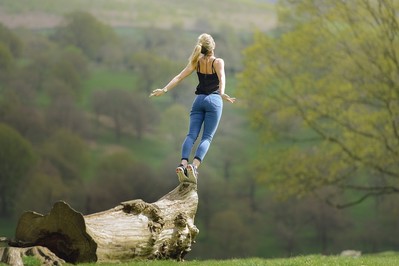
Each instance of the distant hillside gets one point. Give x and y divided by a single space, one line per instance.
245 15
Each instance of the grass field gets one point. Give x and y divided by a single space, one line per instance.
372 260
381 259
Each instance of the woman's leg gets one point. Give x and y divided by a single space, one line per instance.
196 119
214 107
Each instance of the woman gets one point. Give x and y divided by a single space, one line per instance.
207 106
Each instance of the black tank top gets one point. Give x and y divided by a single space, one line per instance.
208 83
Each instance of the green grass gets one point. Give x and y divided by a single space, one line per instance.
31 261
108 79
382 259
105 79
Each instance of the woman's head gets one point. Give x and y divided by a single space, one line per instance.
205 45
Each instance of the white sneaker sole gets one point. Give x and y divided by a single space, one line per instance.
192 176
180 175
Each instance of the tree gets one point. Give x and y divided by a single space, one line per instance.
234 232
173 126
17 158
40 68
124 109
39 190
6 60
172 43
11 41
17 107
63 111
113 104
28 121
71 67
84 31
230 42
142 114
152 70
119 176
326 222
68 153
324 95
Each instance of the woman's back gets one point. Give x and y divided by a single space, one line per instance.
206 65
207 76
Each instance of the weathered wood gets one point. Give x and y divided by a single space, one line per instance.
134 229
63 231
14 256
164 229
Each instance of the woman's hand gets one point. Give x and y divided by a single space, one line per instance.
158 92
228 98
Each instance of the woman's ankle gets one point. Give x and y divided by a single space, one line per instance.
196 162
184 162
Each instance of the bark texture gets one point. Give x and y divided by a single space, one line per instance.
13 256
134 229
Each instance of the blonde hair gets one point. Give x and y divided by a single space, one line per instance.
205 45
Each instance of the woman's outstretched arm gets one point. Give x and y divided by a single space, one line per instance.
173 83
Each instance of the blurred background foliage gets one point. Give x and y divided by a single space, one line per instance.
315 126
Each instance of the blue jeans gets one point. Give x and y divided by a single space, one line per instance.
206 110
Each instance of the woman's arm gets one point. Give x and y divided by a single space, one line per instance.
173 83
219 67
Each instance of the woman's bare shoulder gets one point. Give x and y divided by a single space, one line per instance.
219 62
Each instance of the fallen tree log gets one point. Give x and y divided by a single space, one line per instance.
14 256
134 229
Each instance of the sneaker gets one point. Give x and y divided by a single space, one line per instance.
192 173
181 173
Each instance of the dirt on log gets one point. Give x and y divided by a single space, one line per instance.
134 229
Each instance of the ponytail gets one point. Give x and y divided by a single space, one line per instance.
205 45
195 55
